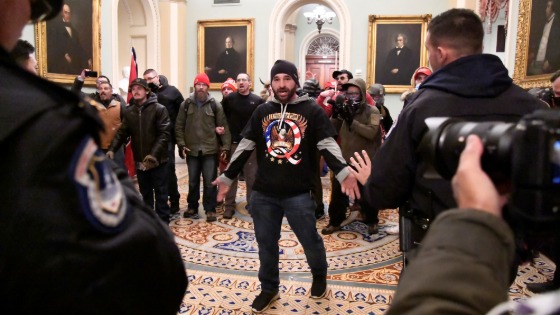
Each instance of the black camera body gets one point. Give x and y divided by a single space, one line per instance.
525 155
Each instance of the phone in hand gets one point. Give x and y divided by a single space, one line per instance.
90 74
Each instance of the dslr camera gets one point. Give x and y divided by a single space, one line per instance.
524 155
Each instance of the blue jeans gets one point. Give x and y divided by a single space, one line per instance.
207 165
267 213
155 180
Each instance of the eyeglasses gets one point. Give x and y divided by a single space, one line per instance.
149 79
342 78
352 93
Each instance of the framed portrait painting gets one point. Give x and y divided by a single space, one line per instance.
537 54
396 49
70 42
225 49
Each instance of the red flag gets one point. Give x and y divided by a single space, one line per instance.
128 157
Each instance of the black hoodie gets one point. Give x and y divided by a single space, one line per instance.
170 97
474 88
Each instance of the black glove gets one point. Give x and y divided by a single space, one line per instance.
347 114
338 106
182 151
150 162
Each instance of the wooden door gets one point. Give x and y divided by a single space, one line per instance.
320 68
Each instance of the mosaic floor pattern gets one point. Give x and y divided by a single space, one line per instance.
222 262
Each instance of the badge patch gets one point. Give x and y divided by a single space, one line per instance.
100 192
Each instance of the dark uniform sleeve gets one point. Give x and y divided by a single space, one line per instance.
393 167
75 236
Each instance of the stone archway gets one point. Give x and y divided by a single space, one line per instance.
284 9
138 25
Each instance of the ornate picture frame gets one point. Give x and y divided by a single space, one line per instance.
61 56
383 55
219 60
528 71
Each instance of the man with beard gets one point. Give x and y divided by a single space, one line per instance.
146 122
74 233
195 132
170 97
286 133
111 112
238 107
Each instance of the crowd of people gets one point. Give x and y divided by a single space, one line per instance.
284 134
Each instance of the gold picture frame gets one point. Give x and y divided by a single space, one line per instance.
382 34
219 61
529 30
61 56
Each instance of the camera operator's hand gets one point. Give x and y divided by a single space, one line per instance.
347 114
361 166
472 187
338 106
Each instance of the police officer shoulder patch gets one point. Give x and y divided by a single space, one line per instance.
101 194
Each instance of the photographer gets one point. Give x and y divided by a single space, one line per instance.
454 274
358 127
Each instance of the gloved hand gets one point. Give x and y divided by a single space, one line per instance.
347 114
110 154
150 162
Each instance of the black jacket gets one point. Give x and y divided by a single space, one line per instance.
170 97
62 250
474 88
148 127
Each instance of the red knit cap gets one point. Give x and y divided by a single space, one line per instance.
202 78
230 83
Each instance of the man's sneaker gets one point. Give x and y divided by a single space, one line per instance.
373 229
228 214
330 229
211 216
319 287
319 215
262 301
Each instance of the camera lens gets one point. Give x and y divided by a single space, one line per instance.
442 145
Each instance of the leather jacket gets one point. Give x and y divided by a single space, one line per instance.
148 127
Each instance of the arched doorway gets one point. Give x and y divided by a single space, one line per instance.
282 12
321 58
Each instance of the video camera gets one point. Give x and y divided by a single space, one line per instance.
525 155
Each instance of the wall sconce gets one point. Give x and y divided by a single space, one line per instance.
320 16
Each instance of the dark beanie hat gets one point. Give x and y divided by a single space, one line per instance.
284 66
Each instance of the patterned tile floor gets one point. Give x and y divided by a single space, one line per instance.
222 262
